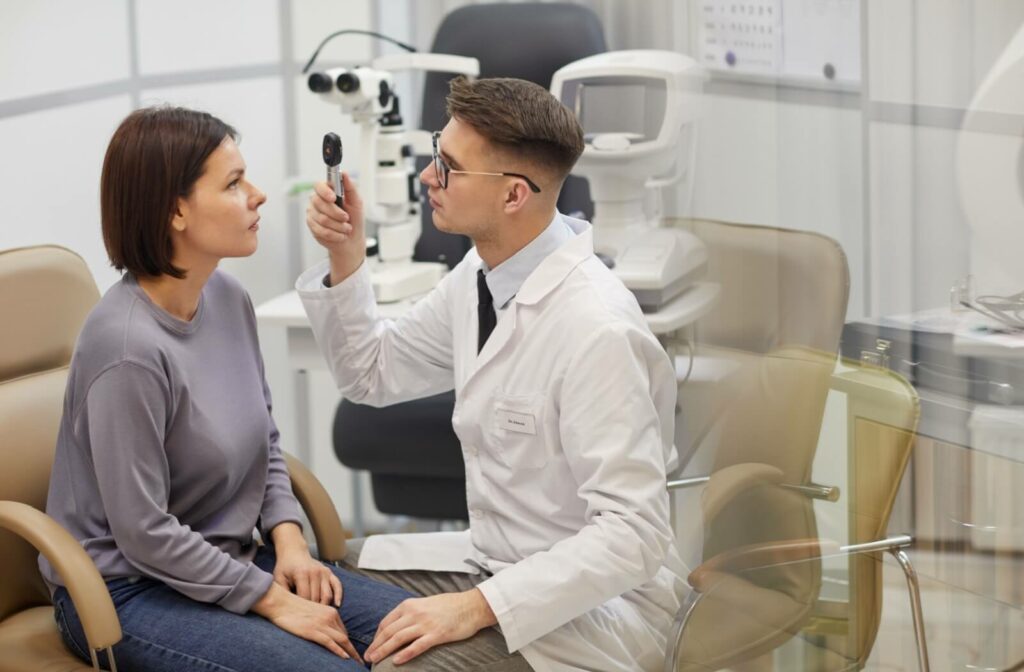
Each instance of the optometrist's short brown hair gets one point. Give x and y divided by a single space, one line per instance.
154 158
521 118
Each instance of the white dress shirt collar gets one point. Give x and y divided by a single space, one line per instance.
505 279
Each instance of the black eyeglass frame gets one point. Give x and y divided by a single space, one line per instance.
442 169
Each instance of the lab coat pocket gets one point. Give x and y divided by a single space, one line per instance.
517 431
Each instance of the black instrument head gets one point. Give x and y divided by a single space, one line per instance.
332 149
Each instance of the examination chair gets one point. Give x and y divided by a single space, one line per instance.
410 449
753 408
760 585
47 293
766 363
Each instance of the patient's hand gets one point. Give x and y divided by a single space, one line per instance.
297 571
314 622
420 624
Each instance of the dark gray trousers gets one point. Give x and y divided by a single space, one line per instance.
485 650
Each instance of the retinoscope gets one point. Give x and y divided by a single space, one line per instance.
332 157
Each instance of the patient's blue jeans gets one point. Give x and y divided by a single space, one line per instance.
164 631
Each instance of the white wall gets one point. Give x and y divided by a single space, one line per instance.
47 199
43 44
57 201
784 158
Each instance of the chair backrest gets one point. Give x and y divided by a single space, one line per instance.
412 453
778 287
528 40
47 294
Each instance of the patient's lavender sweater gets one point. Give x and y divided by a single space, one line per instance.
167 457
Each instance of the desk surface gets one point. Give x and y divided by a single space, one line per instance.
286 310
972 333
980 344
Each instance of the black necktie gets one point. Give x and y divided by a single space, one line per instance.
484 310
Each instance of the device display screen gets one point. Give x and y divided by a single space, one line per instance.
629 105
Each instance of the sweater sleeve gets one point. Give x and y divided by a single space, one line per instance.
279 503
125 416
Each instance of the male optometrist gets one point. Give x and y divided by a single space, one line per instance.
564 407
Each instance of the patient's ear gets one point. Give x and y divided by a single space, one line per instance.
179 218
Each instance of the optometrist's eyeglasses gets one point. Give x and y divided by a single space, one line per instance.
443 170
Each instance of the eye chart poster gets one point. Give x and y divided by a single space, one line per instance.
798 39
742 35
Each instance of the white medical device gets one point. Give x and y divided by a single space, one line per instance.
638 110
387 174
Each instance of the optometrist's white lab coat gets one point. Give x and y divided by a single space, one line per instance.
566 424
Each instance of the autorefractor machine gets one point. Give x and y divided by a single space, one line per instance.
639 111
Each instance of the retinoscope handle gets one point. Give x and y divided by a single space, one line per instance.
334 178
332 157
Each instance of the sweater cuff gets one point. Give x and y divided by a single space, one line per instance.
253 585
275 513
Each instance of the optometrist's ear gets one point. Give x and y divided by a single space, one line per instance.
517 196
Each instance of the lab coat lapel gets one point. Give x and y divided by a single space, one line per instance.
541 282
553 270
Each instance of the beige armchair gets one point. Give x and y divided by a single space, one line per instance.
753 418
47 293
760 583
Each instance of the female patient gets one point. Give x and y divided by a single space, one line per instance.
167 458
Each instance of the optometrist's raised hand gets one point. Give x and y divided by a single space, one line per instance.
317 623
340 230
419 624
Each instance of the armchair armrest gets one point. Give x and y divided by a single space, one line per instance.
730 481
758 556
323 517
83 581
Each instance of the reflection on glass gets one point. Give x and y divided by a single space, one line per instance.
761 580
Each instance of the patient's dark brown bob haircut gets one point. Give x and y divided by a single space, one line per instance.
155 157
